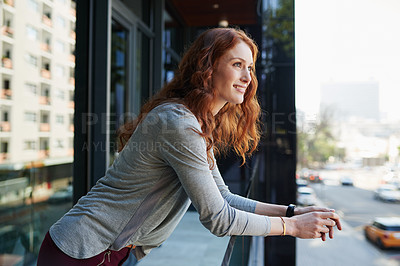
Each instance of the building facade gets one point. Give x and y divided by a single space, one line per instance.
37 78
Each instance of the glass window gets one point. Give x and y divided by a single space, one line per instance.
119 81
5 116
31 33
30 117
30 145
33 5
59 46
142 70
31 89
60 22
60 94
59 119
35 160
142 9
59 143
173 46
59 71
31 59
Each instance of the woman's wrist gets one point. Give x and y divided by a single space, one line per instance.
290 210
291 228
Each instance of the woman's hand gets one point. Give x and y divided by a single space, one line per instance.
303 210
313 224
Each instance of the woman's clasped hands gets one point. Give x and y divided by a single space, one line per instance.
313 222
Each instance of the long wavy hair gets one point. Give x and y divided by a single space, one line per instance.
235 125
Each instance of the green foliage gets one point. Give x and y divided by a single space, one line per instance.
317 144
279 26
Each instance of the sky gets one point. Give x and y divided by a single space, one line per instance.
347 41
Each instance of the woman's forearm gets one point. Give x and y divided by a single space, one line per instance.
273 210
281 226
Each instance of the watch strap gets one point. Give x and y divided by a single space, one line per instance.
290 210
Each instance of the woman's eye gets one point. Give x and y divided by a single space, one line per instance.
237 64
250 69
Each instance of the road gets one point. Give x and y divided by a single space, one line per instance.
357 207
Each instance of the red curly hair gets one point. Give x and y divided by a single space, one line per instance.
235 125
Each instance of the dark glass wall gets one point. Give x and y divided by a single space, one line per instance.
277 92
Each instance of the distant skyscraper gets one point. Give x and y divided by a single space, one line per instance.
347 100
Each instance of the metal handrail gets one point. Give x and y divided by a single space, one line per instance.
232 240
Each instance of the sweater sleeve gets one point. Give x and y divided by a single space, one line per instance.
234 200
185 151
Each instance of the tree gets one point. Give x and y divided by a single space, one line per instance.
316 143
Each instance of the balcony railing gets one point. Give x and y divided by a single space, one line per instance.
44 100
72 11
43 154
5 94
5 126
9 2
45 73
249 190
44 127
45 47
7 31
6 62
47 21
3 156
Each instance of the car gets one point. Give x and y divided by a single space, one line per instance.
388 193
346 181
304 173
306 196
384 232
395 182
301 183
61 195
314 177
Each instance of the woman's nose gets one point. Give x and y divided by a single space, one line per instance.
246 77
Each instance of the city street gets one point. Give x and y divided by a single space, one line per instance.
357 207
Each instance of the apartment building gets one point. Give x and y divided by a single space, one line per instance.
37 44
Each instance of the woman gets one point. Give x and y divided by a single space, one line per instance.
166 162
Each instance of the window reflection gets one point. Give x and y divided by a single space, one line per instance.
119 81
142 70
36 152
172 46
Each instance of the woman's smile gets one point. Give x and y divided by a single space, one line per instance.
232 76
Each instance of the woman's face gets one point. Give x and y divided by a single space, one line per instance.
231 76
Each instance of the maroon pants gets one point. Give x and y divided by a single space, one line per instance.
50 255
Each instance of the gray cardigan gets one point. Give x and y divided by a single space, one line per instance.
146 191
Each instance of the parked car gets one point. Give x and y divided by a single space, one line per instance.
388 193
306 196
301 183
62 195
346 181
384 232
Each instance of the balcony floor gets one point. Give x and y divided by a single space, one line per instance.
190 244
